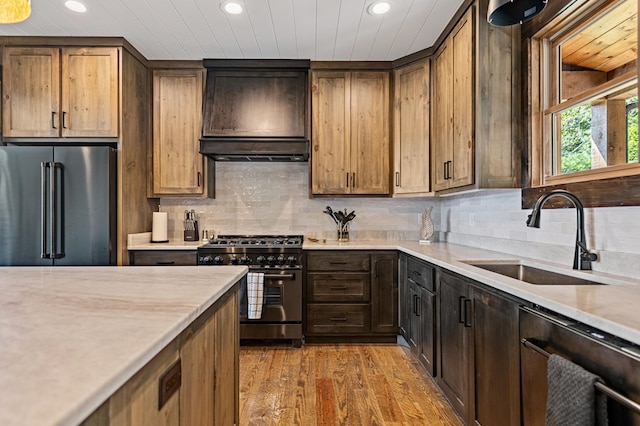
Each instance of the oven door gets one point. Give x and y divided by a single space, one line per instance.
282 297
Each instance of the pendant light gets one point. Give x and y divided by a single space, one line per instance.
502 13
12 11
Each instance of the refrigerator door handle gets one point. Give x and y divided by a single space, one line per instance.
44 167
57 211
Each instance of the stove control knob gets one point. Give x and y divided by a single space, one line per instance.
233 260
245 260
280 260
291 260
218 260
261 260
206 260
271 260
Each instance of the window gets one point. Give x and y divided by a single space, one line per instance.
589 93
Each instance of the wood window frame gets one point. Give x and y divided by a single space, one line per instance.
606 187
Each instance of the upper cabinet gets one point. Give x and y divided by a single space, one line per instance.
178 167
350 133
476 106
454 98
60 92
411 171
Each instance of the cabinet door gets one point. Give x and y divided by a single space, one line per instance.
496 359
90 92
331 132
411 130
414 323
384 293
462 45
404 298
370 149
178 167
31 87
442 131
427 311
136 403
454 335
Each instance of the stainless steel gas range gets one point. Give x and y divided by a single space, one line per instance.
279 258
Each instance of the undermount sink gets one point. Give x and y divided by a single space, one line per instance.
530 274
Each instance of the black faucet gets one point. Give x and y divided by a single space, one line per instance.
582 257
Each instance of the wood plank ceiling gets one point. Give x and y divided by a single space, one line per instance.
608 43
294 29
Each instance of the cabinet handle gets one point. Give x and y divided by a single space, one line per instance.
64 119
397 178
338 288
418 307
347 180
165 262
353 180
199 174
416 273
467 313
461 309
338 319
53 120
337 263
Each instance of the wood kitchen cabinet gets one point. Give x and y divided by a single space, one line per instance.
475 106
178 166
351 295
60 92
419 305
453 105
411 160
206 380
478 351
350 132
454 343
163 257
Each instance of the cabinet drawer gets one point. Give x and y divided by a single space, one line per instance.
420 273
338 261
343 287
164 257
338 318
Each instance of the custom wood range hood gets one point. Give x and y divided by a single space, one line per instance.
256 110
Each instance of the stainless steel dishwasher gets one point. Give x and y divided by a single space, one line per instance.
617 362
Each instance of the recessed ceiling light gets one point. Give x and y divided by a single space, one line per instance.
76 6
379 7
232 7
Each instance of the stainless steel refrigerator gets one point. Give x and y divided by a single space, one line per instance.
57 205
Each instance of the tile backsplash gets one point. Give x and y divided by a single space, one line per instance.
272 198
494 220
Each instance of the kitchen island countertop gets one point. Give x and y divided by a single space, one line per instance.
71 336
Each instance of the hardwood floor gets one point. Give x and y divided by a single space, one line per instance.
341 384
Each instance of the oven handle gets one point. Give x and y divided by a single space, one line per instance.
276 276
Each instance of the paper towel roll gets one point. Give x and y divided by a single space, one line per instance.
159 228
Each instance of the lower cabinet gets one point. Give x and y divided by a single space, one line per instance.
478 351
194 380
454 355
351 295
417 307
163 257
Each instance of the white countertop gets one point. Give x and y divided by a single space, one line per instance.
611 308
71 336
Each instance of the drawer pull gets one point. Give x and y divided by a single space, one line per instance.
338 288
416 273
338 319
337 263
165 262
